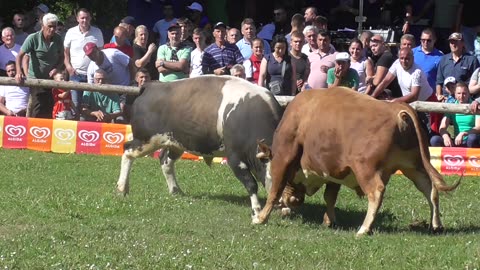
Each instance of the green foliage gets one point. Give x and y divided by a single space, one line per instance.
60 211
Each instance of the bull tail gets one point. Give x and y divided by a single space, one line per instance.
435 176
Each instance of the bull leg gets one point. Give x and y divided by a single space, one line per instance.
167 161
374 192
330 197
424 184
280 177
130 154
242 172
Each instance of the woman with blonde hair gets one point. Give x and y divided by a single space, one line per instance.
144 56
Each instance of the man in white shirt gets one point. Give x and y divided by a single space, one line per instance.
9 49
76 63
13 99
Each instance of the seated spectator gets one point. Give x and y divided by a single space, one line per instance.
220 56
13 99
199 38
474 84
342 74
144 56
238 71
299 59
141 77
365 38
449 92
101 107
277 73
173 57
233 35
361 64
9 50
62 100
252 65
466 127
120 42
407 41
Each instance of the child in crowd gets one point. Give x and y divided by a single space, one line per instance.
62 108
449 92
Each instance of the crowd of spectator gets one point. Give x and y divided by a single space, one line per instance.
287 56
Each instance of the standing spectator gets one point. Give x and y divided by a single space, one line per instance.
101 107
39 11
18 23
13 99
129 23
9 50
144 56
310 32
233 35
361 64
310 14
474 85
468 23
277 73
427 56
249 32
342 74
458 63
62 99
160 27
382 59
116 65
279 26
466 127
298 24
299 59
252 64
365 38
320 61
197 17
413 84
45 48
172 58
120 42
76 62
321 23
220 56
199 38
186 28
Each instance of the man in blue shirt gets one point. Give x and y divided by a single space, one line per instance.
220 56
427 57
249 32
458 64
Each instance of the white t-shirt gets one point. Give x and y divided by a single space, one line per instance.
361 68
161 27
8 54
75 40
115 64
16 98
196 63
412 77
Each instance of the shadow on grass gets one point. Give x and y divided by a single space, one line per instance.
347 219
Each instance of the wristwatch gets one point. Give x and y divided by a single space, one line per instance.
162 63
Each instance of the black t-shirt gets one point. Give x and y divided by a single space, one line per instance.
386 60
139 52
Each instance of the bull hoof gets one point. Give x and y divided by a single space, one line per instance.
176 191
286 212
256 220
122 191
438 230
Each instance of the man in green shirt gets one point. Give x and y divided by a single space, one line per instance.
45 49
342 74
173 58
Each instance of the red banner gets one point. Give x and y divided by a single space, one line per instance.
88 137
15 132
453 160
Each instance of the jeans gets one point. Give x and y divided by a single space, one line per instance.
77 94
472 141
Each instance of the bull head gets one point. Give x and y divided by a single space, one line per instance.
263 151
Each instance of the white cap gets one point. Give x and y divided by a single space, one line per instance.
195 6
448 80
342 56
43 8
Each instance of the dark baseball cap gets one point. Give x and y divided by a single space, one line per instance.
173 26
129 20
220 24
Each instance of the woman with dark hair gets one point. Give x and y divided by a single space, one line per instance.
277 73
361 64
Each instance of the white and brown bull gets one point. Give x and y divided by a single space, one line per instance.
209 116
340 137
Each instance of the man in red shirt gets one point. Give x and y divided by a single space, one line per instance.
120 42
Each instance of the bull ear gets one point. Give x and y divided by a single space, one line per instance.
263 151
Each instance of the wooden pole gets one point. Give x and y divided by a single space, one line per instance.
132 90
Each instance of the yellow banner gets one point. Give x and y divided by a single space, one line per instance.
64 136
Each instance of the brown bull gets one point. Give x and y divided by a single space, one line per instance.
340 137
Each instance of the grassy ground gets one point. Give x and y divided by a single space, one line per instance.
60 211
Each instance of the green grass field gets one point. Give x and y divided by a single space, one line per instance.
60 211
